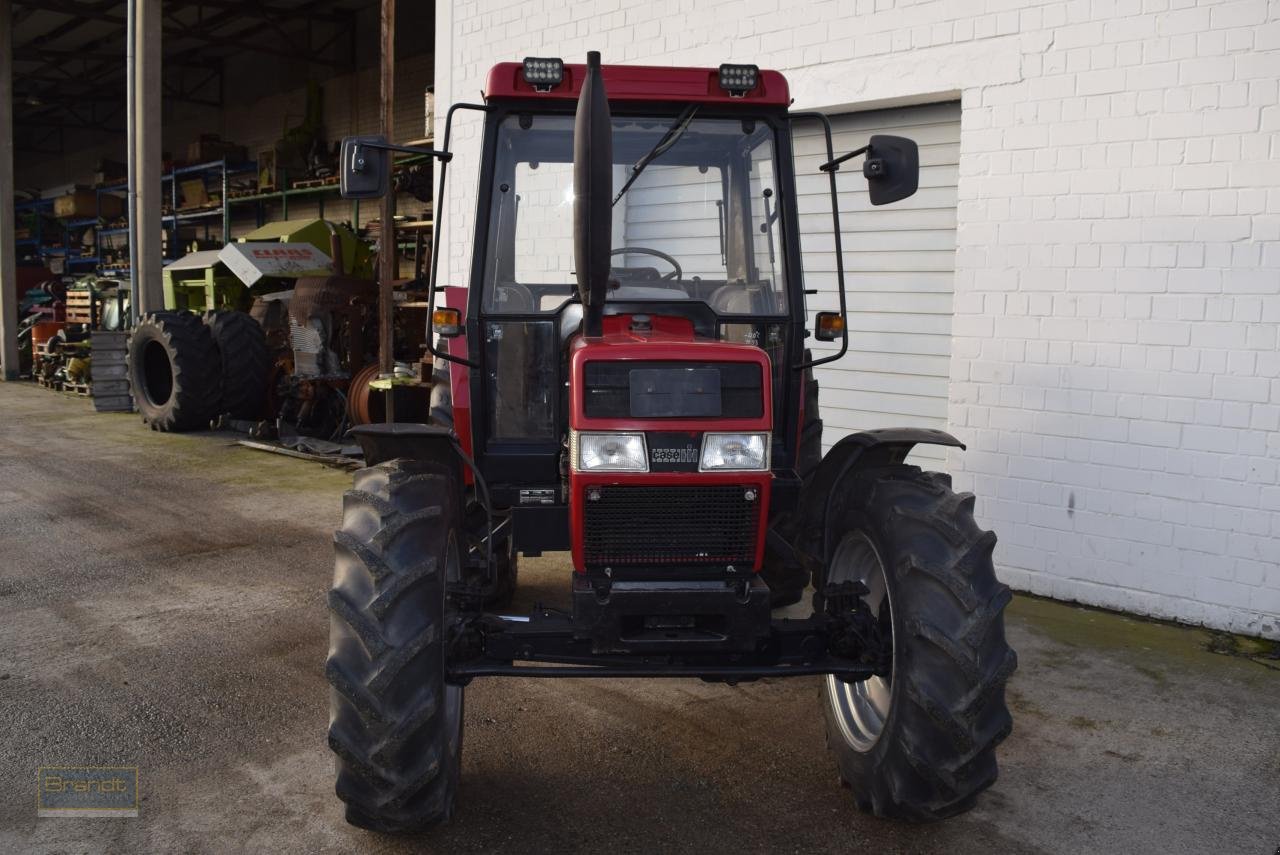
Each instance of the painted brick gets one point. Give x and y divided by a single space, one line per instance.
1117 287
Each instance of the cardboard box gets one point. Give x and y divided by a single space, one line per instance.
192 194
84 203
268 174
213 147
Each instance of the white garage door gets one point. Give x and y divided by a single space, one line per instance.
899 263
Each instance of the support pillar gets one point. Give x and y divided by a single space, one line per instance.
146 154
8 258
387 248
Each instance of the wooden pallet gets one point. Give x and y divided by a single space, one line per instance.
315 182
79 307
83 390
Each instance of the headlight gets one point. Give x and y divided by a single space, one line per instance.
740 451
609 452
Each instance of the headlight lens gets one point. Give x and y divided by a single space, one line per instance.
610 452
736 451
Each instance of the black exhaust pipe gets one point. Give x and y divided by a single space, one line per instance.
592 196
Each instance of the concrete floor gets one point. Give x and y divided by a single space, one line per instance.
163 606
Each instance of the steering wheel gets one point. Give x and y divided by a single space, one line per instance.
677 273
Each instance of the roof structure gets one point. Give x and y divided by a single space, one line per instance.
69 55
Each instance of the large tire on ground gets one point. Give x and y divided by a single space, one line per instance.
244 361
920 744
173 371
787 581
394 724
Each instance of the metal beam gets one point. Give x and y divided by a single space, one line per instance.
8 267
202 34
387 235
146 150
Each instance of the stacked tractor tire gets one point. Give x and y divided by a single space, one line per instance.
185 370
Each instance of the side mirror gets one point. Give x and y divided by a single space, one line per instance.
828 326
366 167
892 168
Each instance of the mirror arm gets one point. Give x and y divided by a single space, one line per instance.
357 156
437 215
834 163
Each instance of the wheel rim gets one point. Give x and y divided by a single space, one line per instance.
862 708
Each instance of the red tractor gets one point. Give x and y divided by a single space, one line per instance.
627 379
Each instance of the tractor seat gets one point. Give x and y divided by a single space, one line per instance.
742 298
571 317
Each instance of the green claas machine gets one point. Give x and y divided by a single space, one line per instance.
628 378
226 344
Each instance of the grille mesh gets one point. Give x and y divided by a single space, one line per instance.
631 525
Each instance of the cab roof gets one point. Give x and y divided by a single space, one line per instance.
641 83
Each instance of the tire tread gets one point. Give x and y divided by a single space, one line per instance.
937 752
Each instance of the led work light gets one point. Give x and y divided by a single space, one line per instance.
738 80
543 73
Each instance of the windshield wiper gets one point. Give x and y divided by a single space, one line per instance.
664 145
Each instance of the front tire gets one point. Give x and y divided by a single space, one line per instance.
920 744
395 724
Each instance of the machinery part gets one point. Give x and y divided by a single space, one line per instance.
786 577
506 571
809 454
327 318
273 317
395 725
920 743
242 353
78 369
441 396
174 371
358 395
497 591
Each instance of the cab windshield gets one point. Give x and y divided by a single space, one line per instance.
699 222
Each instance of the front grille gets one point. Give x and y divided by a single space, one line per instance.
708 525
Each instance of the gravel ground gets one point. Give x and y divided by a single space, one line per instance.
163 606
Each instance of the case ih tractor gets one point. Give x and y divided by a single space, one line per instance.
628 380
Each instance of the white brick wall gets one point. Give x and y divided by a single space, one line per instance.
1115 365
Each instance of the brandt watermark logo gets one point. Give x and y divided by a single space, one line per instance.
87 791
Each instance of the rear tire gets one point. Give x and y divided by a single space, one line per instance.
395 724
243 360
173 371
920 745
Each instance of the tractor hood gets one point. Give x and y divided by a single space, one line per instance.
616 375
